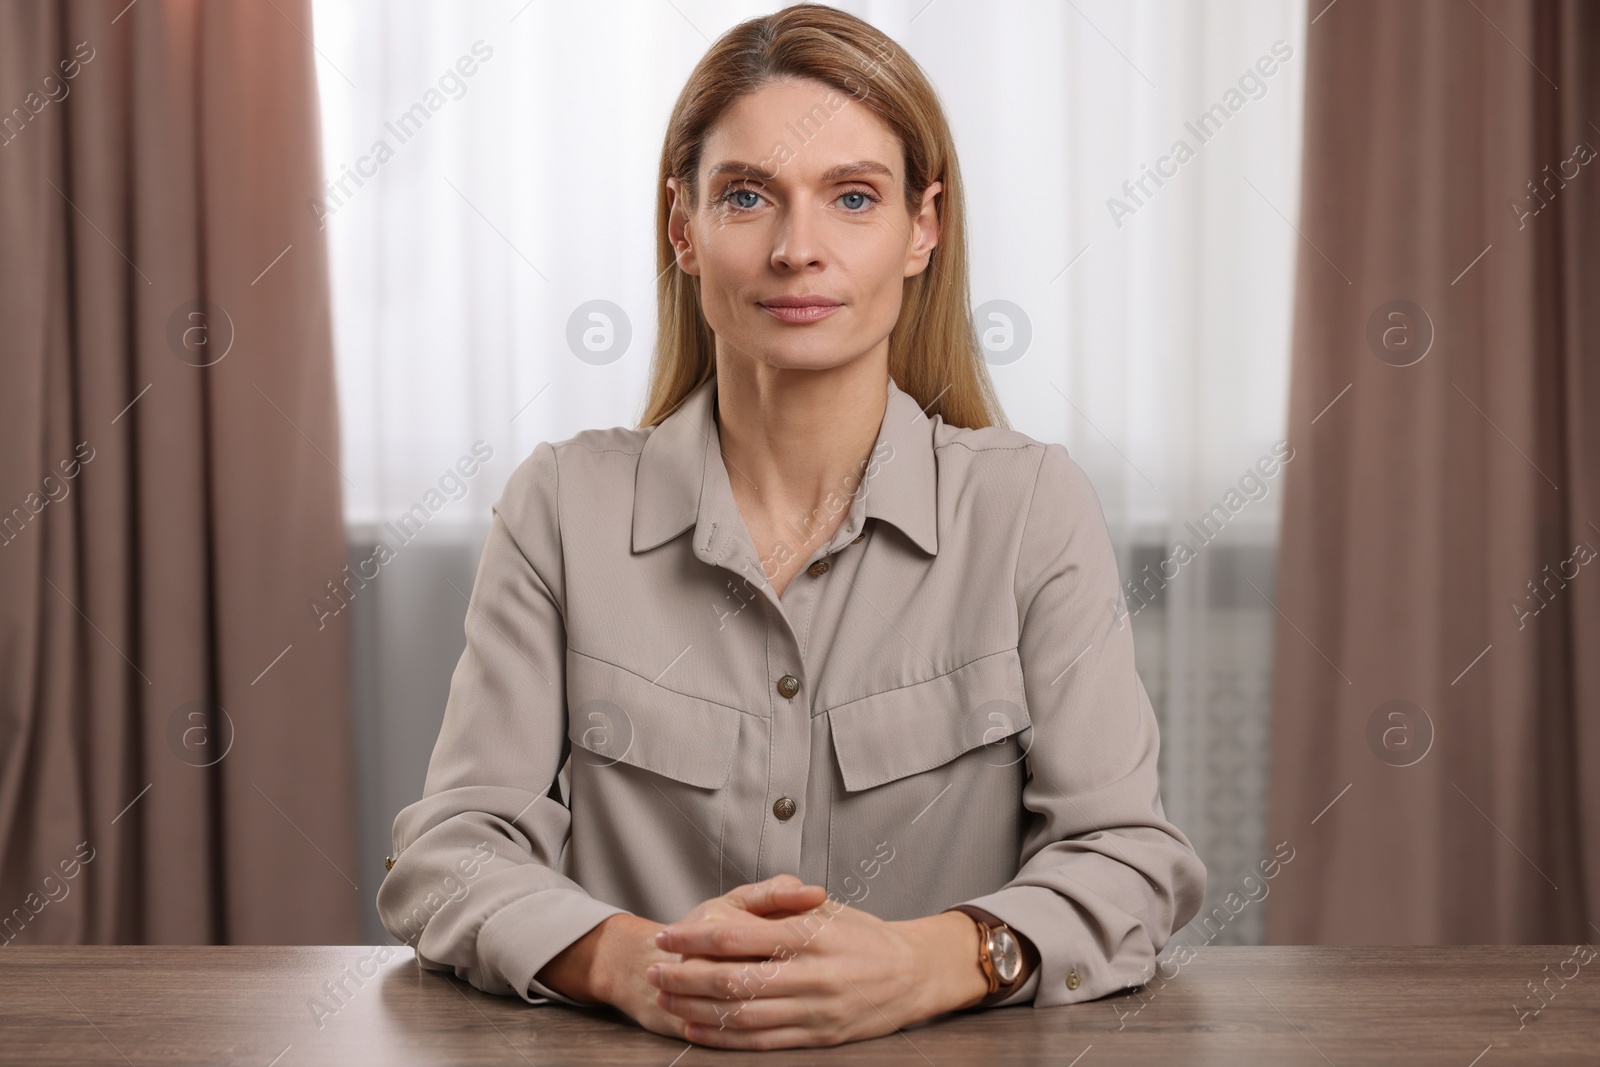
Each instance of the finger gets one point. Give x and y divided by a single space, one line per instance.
785 913
722 938
787 901
781 891
701 977
762 1014
777 884
741 891
731 961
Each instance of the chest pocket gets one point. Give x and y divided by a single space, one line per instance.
918 727
617 716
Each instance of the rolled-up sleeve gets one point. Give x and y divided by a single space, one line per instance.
1104 879
476 884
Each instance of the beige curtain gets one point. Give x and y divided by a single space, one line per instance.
1437 697
175 758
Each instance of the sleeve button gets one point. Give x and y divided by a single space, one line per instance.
1073 980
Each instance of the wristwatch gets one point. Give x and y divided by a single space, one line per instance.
999 955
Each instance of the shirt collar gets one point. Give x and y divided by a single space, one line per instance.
682 481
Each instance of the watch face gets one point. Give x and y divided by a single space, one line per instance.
1007 955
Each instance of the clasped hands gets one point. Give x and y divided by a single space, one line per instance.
779 964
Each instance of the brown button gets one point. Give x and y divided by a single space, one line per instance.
819 567
784 808
1072 979
788 685
388 863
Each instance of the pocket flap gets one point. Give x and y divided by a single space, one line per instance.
917 727
617 716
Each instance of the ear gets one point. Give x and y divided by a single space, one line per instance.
680 229
924 230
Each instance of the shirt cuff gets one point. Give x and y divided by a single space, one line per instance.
1023 993
1072 967
518 940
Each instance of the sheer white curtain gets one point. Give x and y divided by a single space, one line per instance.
491 194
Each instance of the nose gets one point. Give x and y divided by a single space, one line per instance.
797 243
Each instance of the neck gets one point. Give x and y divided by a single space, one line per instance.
791 438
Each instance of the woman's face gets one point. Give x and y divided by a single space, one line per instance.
801 197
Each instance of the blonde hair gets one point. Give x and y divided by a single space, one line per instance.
933 350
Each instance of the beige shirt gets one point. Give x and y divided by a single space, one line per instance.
942 708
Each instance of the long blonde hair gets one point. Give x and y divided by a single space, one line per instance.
933 350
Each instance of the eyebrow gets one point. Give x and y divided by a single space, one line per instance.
831 175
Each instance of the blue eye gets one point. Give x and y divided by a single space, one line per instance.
863 200
738 190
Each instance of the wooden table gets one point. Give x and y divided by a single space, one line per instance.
249 1005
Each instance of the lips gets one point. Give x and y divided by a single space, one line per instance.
798 310
810 300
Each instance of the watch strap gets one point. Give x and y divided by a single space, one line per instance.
998 989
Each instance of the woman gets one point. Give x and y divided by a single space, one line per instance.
807 710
